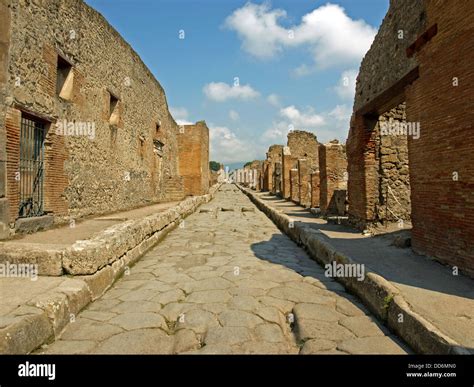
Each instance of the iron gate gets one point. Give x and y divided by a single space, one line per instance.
32 135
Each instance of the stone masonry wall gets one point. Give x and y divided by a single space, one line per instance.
304 145
394 182
118 167
386 61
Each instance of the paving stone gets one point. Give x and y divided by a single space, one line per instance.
169 296
257 284
207 308
138 295
283 305
97 316
140 341
317 346
363 326
313 329
84 329
65 347
185 340
172 311
103 305
131 321
239 318
256 347
208 296
317 312
214 349
371 345
247 303
272 315
207 284
136 307
350 308
198 320
228 335
297 295
270 333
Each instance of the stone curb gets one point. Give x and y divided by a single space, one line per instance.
378 294
51 312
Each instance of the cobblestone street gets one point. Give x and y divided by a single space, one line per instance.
226 281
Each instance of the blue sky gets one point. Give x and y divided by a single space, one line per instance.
252 70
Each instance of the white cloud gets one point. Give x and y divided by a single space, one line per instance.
258 28
274 100
227 147
341 113
302 120
233 115
220 92
345 88
302 70
328 32
180 114
327 125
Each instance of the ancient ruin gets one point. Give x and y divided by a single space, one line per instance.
193 150
66 153
408 147
120 236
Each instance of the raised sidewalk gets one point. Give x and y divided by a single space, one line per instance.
416 297
76 266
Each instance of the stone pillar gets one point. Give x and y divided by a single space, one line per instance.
333 177
270 171
294 184
277 178
287 163
315 191
304 183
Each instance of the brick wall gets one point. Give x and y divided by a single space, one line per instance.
315 190
295 186
443 206
5 19
304 182
288 162
193 144
434 77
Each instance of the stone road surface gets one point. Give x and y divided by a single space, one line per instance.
227 281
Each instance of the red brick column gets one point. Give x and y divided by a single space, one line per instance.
315 191
304 183
333 174
295 189
288 162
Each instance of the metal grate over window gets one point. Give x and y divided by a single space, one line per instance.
32 137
